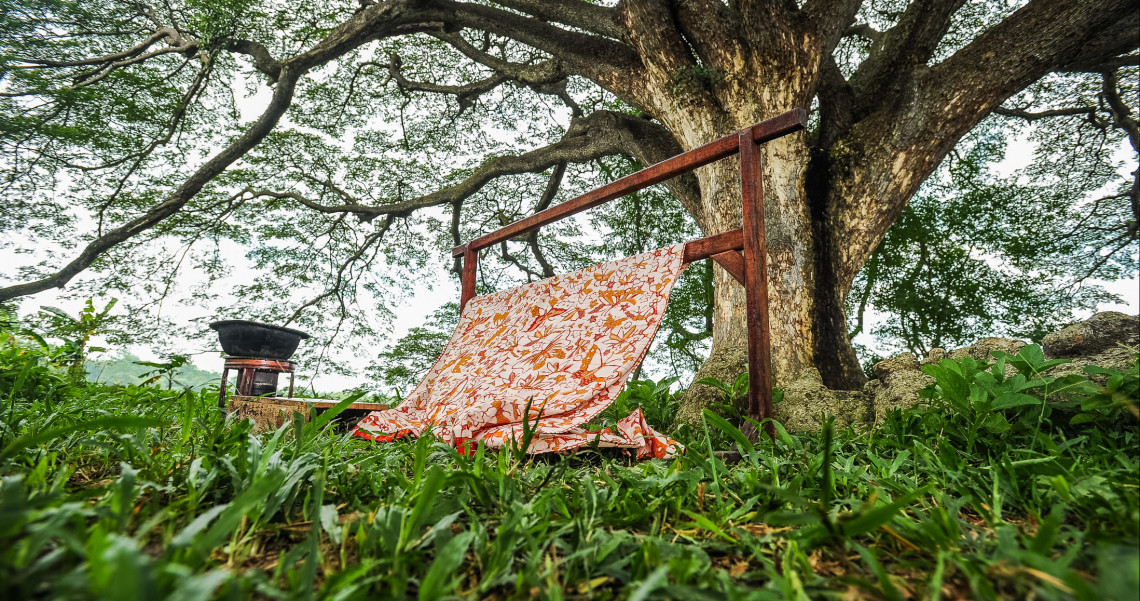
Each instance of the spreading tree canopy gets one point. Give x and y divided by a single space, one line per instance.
126 122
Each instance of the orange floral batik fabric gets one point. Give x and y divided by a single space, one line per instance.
566 345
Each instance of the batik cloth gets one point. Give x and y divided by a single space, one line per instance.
565 345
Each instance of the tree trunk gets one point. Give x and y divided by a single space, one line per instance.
727 77
705 69
807 315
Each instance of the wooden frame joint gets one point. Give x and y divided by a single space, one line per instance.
732 262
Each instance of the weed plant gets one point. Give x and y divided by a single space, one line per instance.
1009 484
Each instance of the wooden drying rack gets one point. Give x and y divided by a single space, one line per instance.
750 269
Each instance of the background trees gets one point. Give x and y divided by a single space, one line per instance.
978 253
386 130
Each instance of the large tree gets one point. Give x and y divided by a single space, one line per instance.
133 104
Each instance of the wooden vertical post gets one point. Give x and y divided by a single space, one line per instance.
222 390
468 278
756 282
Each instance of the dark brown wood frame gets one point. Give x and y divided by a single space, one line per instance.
750 269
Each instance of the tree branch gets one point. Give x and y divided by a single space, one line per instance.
552 186
547 77
936 106
1121 114
603 133
262 59
168 33
597 19
714 32
832 19
865 31
886 72
107 64
526 73
465 94
282 96
605 61
1122 118
391 18
1031 116
1064 32
513 260
337 286
1100 65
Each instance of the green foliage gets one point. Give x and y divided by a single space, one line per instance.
1117 395
76 332
404 364
27 368
32 367
976 254
143 493
1021 404
163 370
215 21
657 401
108 108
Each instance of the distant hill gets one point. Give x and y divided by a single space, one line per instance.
123 370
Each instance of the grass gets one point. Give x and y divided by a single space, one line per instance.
1000 488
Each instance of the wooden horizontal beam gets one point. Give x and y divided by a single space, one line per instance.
781 125
703 248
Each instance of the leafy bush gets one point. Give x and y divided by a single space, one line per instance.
29 368
655 399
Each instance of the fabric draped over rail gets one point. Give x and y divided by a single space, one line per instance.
565 345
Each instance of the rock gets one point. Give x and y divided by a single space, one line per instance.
1118 358
901 378
1095 335
1097 341
807 400
884 369
899 391
725 366
982 349
934 355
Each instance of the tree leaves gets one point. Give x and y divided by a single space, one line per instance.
979 254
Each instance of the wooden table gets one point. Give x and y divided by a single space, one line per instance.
270 413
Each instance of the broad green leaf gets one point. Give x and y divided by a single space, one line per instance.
737 436
330 523
996 423
441 578
953 386
329 414
1083 418
199 587
656 580
187 534
1014 399
715 383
